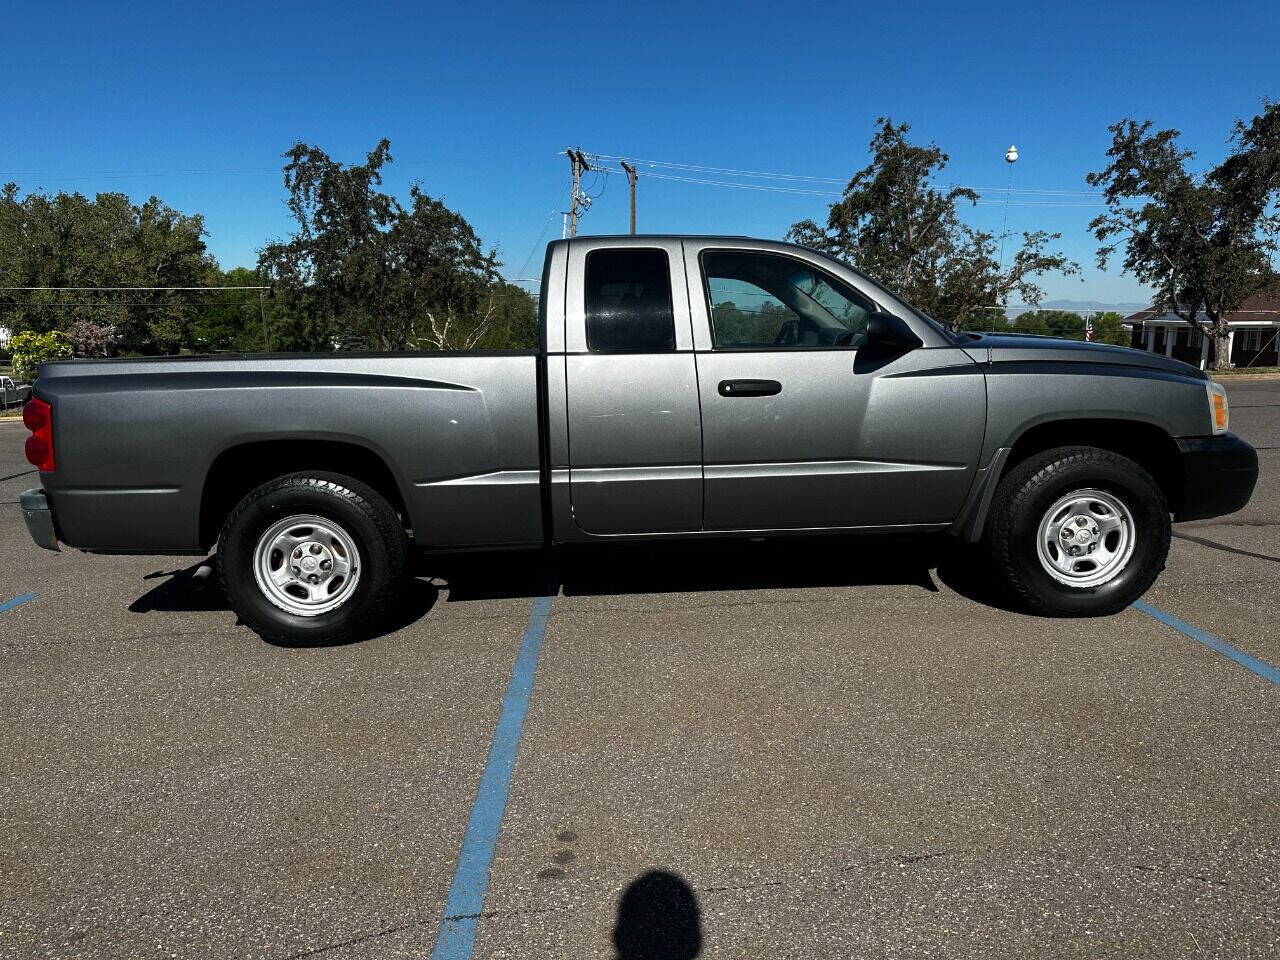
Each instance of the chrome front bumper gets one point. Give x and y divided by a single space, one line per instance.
39 518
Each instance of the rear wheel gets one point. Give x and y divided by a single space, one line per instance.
1078 531
312 558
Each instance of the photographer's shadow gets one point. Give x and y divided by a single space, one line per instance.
658 919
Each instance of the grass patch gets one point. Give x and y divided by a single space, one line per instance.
1243 371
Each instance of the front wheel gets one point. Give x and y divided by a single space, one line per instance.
312 559
1078 531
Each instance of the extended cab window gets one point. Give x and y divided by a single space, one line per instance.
764 300
628 302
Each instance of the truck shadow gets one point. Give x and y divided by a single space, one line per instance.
194 589
653 567
706 566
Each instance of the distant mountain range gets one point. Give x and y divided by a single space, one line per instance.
1125 307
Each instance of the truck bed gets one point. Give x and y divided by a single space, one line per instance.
458 434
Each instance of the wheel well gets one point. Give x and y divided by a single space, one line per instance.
241 469
1148 445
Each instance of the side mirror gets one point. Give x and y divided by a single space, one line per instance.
891 332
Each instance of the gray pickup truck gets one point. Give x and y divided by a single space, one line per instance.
13 394
683 387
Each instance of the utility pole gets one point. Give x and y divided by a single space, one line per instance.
580 165
631 182
262 315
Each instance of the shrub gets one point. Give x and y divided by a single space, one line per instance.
32 349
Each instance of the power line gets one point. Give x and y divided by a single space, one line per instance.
200 171
807 178
700 168
742 186
534 249
135 288
769 188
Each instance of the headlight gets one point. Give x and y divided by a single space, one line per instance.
1219 414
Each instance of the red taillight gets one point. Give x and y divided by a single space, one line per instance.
38 417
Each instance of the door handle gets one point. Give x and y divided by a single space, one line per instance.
749 388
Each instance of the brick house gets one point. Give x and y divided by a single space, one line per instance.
1255 329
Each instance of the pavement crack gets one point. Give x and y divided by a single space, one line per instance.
1182 874
739 886
1214 545
520 912
14 476
908 859
356 941
922 857
409 925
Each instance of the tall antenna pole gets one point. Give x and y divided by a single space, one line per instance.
631 181
1010 157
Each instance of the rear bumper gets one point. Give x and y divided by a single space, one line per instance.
39 518
1218 476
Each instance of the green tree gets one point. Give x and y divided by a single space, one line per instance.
362 269
1205 243
233 320
1108 327
30 349
1031 322
68 240
1062 323
896 225
514 323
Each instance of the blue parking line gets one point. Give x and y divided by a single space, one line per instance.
16 602
1264 670
462 910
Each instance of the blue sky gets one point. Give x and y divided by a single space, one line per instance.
196 102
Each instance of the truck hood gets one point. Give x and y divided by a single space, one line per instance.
1003 348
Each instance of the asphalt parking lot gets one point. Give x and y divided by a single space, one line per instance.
752 750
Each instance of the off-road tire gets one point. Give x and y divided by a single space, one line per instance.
360 511
1032 487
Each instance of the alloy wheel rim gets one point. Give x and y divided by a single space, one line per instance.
306 565
1086 538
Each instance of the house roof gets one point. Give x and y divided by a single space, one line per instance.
1260 308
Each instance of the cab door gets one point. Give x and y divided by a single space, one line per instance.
635 432
802 426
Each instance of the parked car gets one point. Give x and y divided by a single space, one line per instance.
684 387
13 394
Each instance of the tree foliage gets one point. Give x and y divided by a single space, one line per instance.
233 320
69 240
30 349
1108 326
895 224
1205 243
364 270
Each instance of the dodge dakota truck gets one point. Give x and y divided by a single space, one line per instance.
683 387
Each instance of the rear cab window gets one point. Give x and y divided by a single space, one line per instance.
628 301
